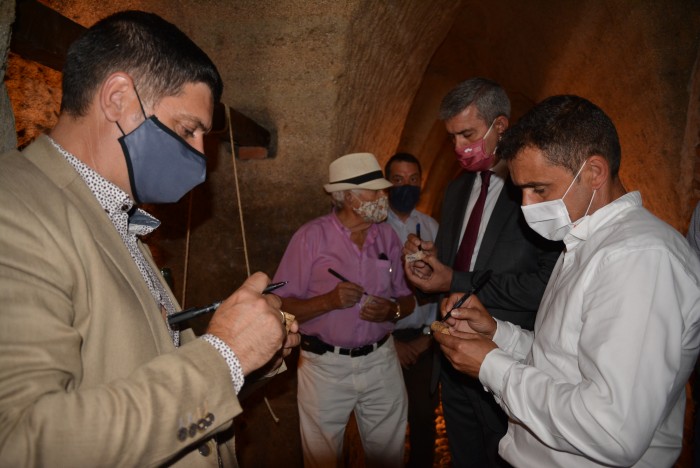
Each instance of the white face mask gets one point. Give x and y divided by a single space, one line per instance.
372 211
550 219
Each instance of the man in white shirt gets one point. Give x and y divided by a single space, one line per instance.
600 381
412 333
481 228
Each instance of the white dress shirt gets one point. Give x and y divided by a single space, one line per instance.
601 380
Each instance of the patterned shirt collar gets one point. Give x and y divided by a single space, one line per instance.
116 202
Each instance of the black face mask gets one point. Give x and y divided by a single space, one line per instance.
162 166
404 198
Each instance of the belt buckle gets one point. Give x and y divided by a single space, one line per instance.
361 350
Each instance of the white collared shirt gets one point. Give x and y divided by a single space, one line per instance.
601 380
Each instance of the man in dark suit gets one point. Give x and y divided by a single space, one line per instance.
482 228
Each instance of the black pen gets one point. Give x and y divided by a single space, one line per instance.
272 286
341 277
485 277
420 247
193 312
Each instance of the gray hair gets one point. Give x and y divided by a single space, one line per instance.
338 197
490 99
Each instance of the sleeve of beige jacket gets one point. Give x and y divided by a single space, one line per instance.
88 376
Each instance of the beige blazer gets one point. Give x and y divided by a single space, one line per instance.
88 373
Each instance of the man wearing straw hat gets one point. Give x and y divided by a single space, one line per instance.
348 292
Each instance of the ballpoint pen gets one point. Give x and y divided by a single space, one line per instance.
341 277
485 277
196 311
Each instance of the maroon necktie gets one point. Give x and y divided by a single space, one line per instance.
466 248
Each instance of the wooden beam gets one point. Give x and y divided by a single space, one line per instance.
251 140
42 34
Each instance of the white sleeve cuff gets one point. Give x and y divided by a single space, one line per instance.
234 364
493 371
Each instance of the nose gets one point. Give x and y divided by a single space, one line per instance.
198 143
459 141
528 198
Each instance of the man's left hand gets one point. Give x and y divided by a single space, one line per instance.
466 351
378 309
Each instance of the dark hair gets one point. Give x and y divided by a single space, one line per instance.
567 129
400 157
487 96
159 57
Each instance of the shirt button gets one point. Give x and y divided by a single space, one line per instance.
181 434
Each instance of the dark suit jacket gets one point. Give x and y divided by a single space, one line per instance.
521 259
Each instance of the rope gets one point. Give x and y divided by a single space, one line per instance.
240 215
238 193
187 250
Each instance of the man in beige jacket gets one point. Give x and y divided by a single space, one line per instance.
90 372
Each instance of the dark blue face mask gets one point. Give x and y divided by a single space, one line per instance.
162 166
403 198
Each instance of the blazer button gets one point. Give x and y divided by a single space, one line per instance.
193 430
204 450
210 418
181 434
202 424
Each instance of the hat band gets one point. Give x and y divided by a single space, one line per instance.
361 179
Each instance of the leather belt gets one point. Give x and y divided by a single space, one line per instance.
317 346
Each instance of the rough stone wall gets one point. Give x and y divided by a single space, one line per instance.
633 59
388 47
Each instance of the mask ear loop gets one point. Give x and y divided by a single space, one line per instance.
574 180
142 111
140 103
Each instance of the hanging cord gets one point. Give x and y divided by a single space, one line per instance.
187 250
240 215
238 193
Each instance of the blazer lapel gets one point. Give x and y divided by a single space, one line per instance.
508 202
457 211
48 160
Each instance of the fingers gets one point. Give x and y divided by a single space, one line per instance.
348 294
249 323
292 340
256 282
377 309
412 244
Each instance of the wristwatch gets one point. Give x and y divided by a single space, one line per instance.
397 315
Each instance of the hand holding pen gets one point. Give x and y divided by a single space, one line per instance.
480 283
251 327
346 293
193 312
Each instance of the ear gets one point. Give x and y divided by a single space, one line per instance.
501 124
116 96
598 171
